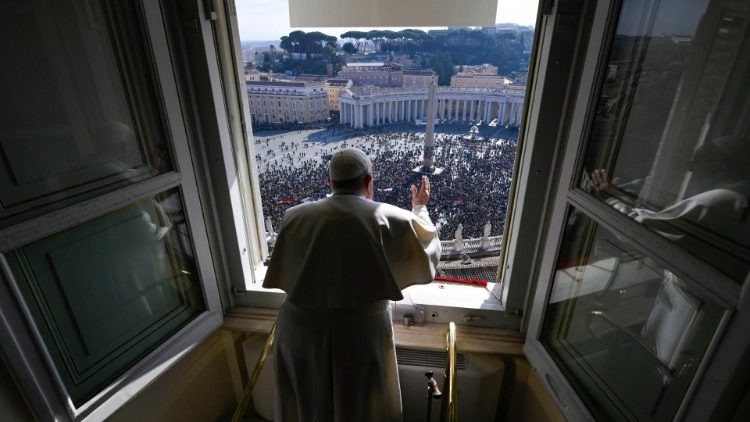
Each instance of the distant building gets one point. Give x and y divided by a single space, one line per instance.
404 60
287 101
373 73
463 80
334 88
365 58
481 69
254 75
306 77
418 78
482 76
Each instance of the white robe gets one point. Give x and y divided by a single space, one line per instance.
720 211
340 260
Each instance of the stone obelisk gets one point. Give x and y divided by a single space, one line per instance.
428 160
429 136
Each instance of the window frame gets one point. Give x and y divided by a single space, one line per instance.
24 348
512 286
721 359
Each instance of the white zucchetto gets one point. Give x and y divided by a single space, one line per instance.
348 164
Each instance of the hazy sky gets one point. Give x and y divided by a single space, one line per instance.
262 20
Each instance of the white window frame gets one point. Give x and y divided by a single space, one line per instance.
731 338
246 287
23 346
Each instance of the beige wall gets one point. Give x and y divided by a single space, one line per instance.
203 386
530 401
303 109
333 97
207 384
418 81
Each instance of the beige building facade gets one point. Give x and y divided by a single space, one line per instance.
373 73
418 78
483 76
480 69
481 81
287 102
334 88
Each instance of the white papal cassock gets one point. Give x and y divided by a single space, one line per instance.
340 260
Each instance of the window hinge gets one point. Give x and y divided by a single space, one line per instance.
210 10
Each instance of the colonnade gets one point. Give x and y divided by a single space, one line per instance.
374 110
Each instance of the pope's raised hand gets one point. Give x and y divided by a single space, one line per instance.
422 195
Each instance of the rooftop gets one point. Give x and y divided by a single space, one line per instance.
365 64
338 82
420 72
276 83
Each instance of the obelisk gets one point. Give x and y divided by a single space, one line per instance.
429 136
428 160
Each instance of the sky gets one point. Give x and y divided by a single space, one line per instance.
262 20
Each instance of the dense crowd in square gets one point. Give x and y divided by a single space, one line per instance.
472 189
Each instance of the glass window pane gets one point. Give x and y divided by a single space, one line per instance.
79 113
107 292
627 333
669 145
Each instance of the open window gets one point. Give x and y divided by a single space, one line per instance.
636 309
381 96
107 276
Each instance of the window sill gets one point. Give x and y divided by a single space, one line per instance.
433 294
437 302
421 336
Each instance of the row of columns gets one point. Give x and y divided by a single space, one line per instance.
376 113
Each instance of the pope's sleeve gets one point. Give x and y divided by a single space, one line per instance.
424 252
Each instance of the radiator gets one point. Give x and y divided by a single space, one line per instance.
478 383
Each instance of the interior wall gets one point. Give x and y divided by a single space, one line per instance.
206 385
12 405
523 397
529 399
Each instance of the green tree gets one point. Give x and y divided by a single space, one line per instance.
286 44
359 38
442 64
349 48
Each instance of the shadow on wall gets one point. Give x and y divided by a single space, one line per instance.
205 385
528 400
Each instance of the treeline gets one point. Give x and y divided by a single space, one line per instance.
308 42
438 50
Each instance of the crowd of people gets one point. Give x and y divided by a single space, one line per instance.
472 189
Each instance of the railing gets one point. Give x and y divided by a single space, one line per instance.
449 247
448 411
470 246
248 394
